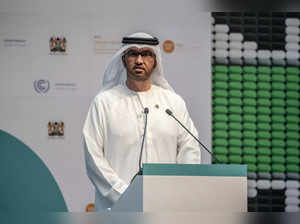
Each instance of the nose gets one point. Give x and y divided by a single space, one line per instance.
139 59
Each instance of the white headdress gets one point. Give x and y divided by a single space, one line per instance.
115 72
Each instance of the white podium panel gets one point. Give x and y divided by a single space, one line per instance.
187 193
193 194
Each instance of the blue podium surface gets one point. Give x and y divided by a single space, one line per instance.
194 170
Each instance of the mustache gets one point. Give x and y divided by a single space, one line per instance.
139 67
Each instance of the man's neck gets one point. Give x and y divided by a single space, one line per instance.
138 86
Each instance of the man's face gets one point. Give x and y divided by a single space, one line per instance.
139 63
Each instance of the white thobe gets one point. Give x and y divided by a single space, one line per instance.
113 133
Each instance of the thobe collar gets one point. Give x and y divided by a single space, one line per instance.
132 92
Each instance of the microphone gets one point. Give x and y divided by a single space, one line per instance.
169 112
146 111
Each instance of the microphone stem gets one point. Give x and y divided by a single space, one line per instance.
140 159
196 138
141 152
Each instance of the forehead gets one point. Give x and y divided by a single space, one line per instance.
140 49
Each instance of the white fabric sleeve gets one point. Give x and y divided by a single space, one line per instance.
104 178
188 149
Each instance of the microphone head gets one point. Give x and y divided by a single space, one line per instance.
169 112
146 110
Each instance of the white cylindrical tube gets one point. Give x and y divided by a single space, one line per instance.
221 61
221 37
292 47
251 175
250 61
252 193
292 184
235 53
293 62
251 183
235 45
236 37
263 54
292 30
292 55
221 28
293 176
250 45
292 22
292 201
278 54
292 38
221 53
263 184
292 193
236 61
292 208
249 54
278 184
280 62
221 45
265 61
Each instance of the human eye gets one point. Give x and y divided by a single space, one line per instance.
147 54
132 53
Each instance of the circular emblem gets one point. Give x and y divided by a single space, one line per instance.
90 207
168 46
41 86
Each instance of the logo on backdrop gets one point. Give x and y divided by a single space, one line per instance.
41 86
58 45
15 42
90 207
168 46
56 128
104 45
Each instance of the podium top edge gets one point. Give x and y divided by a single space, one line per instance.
195 170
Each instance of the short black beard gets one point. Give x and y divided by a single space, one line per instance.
135 77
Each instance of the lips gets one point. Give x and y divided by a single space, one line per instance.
139 68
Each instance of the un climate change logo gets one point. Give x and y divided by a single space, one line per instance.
41 86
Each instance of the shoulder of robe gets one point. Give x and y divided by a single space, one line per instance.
112 95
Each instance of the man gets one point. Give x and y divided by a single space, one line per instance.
134 89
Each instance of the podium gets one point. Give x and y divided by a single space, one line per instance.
186 188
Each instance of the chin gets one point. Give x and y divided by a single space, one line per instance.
141 76
141 79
